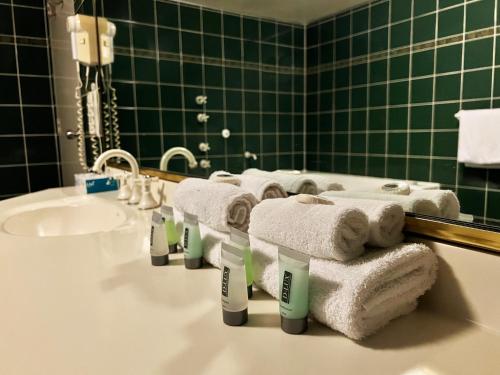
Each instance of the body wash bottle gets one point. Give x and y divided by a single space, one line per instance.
293 290
240 240
193 250
172 236
158 241
234 286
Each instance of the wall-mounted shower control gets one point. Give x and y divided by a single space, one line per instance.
204 147
250 155
205 164
202 118
201 99
226 133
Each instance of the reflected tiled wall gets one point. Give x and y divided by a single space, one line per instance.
384 82
29 157
250 69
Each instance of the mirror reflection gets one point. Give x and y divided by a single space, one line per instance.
381 100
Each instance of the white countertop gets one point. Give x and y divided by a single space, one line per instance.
94 305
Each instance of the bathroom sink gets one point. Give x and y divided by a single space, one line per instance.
69 216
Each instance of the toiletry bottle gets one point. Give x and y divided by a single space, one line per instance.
193 250
158 241
293 290
240 239
234 286
172 236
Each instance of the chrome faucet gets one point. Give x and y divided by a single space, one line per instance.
177 151
116 153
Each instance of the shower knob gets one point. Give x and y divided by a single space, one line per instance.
226 133
204 147
202 118
201 99
205 164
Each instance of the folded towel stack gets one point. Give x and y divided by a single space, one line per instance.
410 203
445 200
261 187
386 219
324 231
292 183
358 297
219 206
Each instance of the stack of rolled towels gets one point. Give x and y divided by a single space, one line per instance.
361 274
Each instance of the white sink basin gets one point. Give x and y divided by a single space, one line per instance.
76 215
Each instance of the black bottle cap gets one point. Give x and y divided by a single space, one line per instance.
172 248
250 291
159 260
294 326
193 263
237 318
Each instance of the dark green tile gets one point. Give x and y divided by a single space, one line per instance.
12 150
449 59
250 28
378 71
343 26
213 75
341 143
398 92
400 10
396 168
251 51
360 45
448 3
340 164
397 143
232 25
378 95
423 63
424 28
342 99
448 87
399 67
421 90
144 37
116 9
31 60
142 11
43 177
326 53
268 53
376 143
451 22
423 7
398 118
358 143
28 21
192 74
342 49
191 43
471 177
34 90
493 208
480 14
445 144
358 165
341 121
376 166
444 171
471 201
190 18
268 31
171 97
358 97
232 49
360 20
400 34
11 120
379 40
212 21
122 67
148 121
420 143
359 74
421 117
41 149
379 15
477 84
478 53
358 120
377 119
18 181
168 40
419 169
212 46
145 69
444 116
166 14
146 95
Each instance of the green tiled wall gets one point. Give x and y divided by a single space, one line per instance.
29 154
383 84
251 70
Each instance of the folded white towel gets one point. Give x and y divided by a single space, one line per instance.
446 200
387 219
292 183
324 182
478 136
359 297
219 206
324 231
261 187
409 203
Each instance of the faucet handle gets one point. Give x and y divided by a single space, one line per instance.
205 164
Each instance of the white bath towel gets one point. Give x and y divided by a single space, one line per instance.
359 297
292 183
323 181
219 206
446 200
478 136
324 231
261 187
409 203
387 219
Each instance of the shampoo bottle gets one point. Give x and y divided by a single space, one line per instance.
233 286
240 240
172 236
158 241
193 250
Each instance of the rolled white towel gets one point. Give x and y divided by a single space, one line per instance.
359 297
261 187
409 203
219 206
387 219
292 183
323 181
324 231
446 200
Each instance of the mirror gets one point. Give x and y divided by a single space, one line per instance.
369 94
